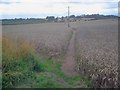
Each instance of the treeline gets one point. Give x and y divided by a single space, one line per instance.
98 16
95 16
54 19
22 21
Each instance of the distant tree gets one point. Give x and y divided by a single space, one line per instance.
72 16
50 18
78 16
62 17
56 18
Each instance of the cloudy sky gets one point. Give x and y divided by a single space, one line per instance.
43 8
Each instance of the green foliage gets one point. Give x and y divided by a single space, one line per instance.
18 63
20 70
23 68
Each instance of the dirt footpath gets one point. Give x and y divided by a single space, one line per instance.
69 64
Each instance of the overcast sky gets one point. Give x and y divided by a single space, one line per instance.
43 8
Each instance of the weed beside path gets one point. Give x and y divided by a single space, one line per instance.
22 68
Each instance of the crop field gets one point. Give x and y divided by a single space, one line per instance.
97 51
32 55
92 45
48 39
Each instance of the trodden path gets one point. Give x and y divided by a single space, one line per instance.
69 64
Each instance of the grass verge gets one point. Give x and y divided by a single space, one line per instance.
22 68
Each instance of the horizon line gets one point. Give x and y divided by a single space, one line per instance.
57 16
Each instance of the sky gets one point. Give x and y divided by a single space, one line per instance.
43 8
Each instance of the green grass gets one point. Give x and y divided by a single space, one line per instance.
22 68
53 77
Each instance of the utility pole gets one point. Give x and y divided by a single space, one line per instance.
68 16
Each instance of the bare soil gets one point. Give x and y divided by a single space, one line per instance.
69 64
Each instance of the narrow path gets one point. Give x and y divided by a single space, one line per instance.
69 64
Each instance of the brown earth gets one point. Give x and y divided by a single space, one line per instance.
69 64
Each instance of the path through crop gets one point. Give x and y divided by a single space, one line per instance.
69 64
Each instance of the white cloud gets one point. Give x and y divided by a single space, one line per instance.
42 8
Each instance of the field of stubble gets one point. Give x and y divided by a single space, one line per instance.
97 51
